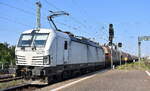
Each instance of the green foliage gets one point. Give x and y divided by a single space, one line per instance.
7 54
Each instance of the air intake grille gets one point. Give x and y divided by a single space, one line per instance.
37 60
21 59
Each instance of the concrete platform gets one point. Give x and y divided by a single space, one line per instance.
112 80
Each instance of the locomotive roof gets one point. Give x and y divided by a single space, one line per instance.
84 41
41 31
67 35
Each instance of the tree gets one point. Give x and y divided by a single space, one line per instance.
7 54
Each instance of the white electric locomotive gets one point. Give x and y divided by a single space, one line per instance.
43 55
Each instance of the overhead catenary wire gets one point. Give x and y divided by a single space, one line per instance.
100 37
52 5
74 28
104 31
83 12
14 21
31 13
29 2
71 16
19 9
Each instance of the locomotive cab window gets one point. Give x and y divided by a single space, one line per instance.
65 45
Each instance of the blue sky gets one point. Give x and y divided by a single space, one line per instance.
131 18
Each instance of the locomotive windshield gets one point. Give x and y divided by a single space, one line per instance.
25 40
37 39
40 39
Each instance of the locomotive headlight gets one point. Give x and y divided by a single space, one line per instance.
46 59
16 58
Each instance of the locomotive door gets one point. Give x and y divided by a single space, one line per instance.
66 54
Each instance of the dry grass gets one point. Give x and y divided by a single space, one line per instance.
143 65
10 84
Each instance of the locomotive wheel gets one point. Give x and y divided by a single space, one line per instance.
58 77
83 71
76 73
50 79
64 75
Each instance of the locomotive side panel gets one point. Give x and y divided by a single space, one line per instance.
101 55
77 53
92 55
60 50
84 53
53 53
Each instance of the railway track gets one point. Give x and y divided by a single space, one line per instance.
16 88
24 87
4 76
10 79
